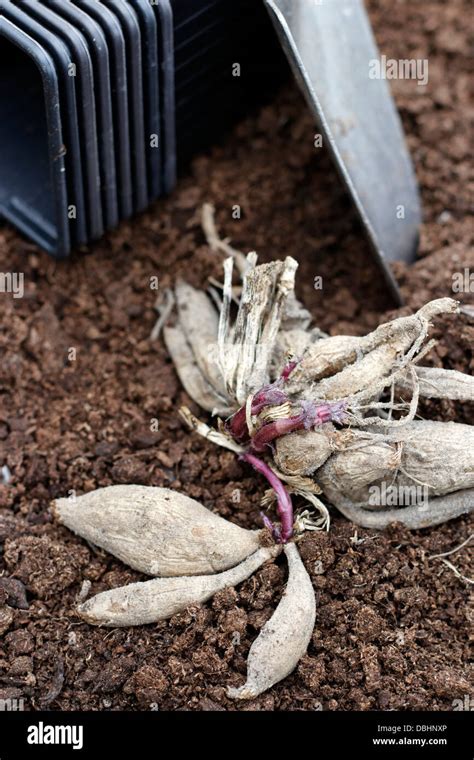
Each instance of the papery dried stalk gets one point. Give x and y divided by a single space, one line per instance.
245 352
236 358
192 379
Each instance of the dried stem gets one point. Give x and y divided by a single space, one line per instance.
209 433
215 242
164 305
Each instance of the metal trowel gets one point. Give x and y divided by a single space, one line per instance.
331 49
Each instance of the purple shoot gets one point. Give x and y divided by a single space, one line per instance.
274 530
311 415
269 395
317 414
288 369
285 506
267 433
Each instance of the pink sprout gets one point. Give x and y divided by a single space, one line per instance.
274 530
269 395
272 430
285 506
311 415
288 369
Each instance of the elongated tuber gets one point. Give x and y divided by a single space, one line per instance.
156 530
159 599
436 456
284 639
438 511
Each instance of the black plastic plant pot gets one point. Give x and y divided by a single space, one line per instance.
120 95
101 62
33 190
69 112
103 100
151 51
81 61
128 21
165 25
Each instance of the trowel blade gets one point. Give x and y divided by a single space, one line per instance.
331 49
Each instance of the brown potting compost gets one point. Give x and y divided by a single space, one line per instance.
89 400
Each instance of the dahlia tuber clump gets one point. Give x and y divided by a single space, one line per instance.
318 415
327 419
